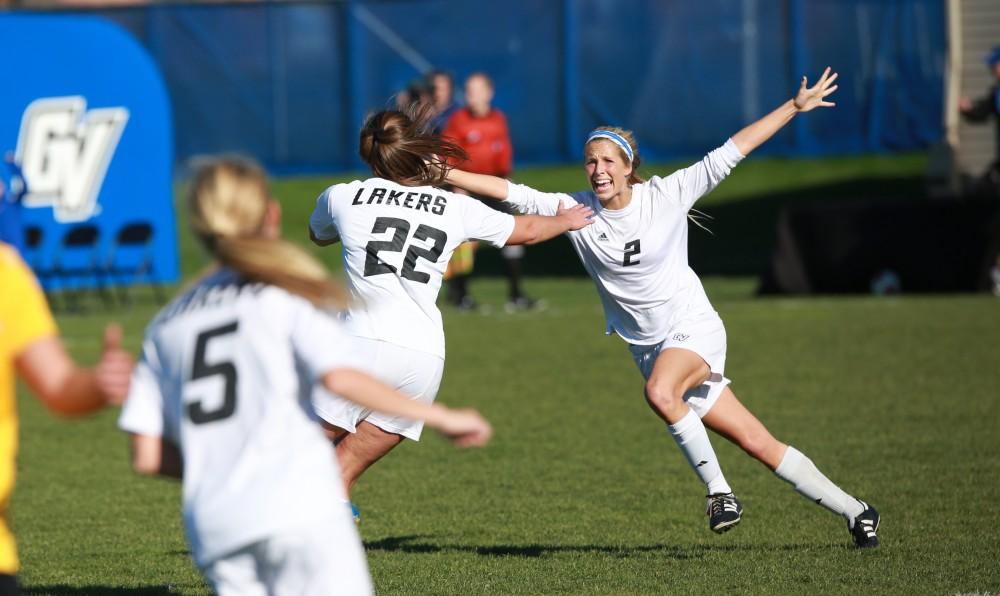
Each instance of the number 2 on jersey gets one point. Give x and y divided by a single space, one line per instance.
376 266
200 369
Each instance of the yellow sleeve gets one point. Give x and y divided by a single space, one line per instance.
24 314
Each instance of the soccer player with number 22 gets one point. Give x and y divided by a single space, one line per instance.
636 253
398 232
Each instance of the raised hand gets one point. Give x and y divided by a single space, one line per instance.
114 372
465 428
578 216
812 97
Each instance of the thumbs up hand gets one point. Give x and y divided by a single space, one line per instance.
114 371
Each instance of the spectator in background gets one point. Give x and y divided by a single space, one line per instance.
481 130
415 94
442 100
442 94
12 190
30 347
981 110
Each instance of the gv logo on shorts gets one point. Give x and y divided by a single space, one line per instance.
64 151
680 337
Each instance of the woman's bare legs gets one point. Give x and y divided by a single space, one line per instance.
675 372
732 420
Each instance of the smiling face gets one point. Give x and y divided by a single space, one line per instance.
607 170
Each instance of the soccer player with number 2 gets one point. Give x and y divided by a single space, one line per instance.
398 232
221 398
636 253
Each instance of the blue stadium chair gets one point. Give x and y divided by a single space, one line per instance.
34 255
76 264
130 260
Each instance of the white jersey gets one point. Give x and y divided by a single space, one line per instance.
225 374
397 241
637 256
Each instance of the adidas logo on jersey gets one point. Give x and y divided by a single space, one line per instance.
64 151
603 237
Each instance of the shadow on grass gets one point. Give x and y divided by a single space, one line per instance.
419 544
60 590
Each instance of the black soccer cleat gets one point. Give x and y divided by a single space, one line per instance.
724 511
865 527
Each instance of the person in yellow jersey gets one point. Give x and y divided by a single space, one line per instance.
30 348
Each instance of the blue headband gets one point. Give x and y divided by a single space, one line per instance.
615 138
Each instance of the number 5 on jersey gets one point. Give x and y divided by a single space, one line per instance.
202 369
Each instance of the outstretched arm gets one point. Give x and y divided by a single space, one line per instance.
806 99
490 187
465 428
532 229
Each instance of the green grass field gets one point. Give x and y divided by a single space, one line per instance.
582 490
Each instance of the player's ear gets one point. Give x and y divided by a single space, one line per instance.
272 220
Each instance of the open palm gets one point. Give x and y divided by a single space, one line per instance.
811 97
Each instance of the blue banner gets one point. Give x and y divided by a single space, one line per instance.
86 119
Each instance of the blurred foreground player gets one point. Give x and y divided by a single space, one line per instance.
220 398
636 253
30 347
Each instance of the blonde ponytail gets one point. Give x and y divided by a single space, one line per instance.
279 263
228 203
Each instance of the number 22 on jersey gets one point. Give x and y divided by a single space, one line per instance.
376 266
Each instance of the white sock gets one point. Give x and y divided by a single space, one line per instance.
799 471
692 438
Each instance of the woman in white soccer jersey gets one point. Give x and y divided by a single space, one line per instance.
636 253
398 232
220 398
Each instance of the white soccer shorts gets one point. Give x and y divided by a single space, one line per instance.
322 558
411 372
704 336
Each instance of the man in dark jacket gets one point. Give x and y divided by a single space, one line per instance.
981 110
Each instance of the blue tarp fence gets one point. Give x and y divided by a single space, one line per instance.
290 82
